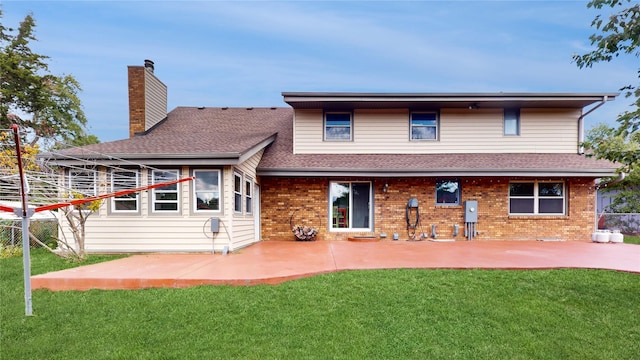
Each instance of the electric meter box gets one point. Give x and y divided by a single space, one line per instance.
215 224
471 211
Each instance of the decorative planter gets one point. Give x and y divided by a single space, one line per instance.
302 228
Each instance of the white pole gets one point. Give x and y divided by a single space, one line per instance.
26 259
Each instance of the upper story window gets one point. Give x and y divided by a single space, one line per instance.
511 122
207 190
124 180
536 198
237 192
447 192
424 126
165 199
337 126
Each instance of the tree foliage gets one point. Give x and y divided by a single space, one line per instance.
45 106
618 35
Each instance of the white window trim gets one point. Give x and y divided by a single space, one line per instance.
504 122
160 190
536 197
248 196
71 178
237 175
115 199
350 217
411 126
194 193
324 127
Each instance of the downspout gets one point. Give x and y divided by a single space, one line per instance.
581 124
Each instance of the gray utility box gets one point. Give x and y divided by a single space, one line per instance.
471 211
215 224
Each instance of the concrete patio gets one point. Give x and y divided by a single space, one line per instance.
273 262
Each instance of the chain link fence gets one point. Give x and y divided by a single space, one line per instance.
627 223
11 235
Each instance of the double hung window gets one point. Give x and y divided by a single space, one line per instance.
207 190
248 196
237 192
337 126
537 198
165 199
350 205
82 182
122 180
424 126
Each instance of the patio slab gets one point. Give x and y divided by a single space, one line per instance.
273 262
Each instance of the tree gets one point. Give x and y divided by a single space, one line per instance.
618 35
45 106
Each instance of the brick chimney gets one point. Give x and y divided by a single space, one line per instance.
147 98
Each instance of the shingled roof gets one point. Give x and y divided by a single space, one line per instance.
279 160
192 135
228 136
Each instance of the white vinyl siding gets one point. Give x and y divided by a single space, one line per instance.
461 131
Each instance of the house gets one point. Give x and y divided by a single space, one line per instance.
406 166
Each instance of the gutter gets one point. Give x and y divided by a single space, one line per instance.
605 98
600 184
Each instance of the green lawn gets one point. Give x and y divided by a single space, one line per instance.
628 239
381 314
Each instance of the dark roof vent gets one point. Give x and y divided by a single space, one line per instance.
225 108
249 108
200 107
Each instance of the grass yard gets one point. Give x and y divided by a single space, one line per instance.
381 314
630 239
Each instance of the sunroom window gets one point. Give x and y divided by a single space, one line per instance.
337 126
207 190
537 198
350 205
248 196
237 193
83 182
165 199
120 181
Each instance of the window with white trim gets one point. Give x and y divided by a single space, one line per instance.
206 194
537 198
424 126
237 192
350 205
83 181
248 196
337 126
511 122
124 180
165 198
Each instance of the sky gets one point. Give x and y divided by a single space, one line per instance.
246 53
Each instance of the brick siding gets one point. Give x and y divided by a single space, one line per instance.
287 201
137 105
